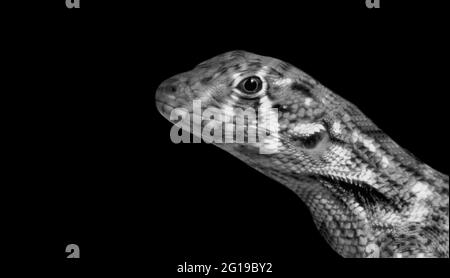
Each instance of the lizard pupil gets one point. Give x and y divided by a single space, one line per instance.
250 85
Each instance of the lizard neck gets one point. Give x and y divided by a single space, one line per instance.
392 217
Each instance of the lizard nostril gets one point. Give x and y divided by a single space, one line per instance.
172 88
167 89
170 85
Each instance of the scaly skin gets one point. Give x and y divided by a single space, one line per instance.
368 196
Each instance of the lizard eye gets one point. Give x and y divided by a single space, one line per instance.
250 85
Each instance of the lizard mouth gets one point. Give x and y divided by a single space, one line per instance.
163 108
166 109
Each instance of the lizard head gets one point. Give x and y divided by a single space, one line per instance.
311 136
309 139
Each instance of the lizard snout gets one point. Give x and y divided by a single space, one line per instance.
166 96
173 93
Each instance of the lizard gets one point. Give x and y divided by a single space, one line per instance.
368 196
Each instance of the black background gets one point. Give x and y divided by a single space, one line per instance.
98 168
